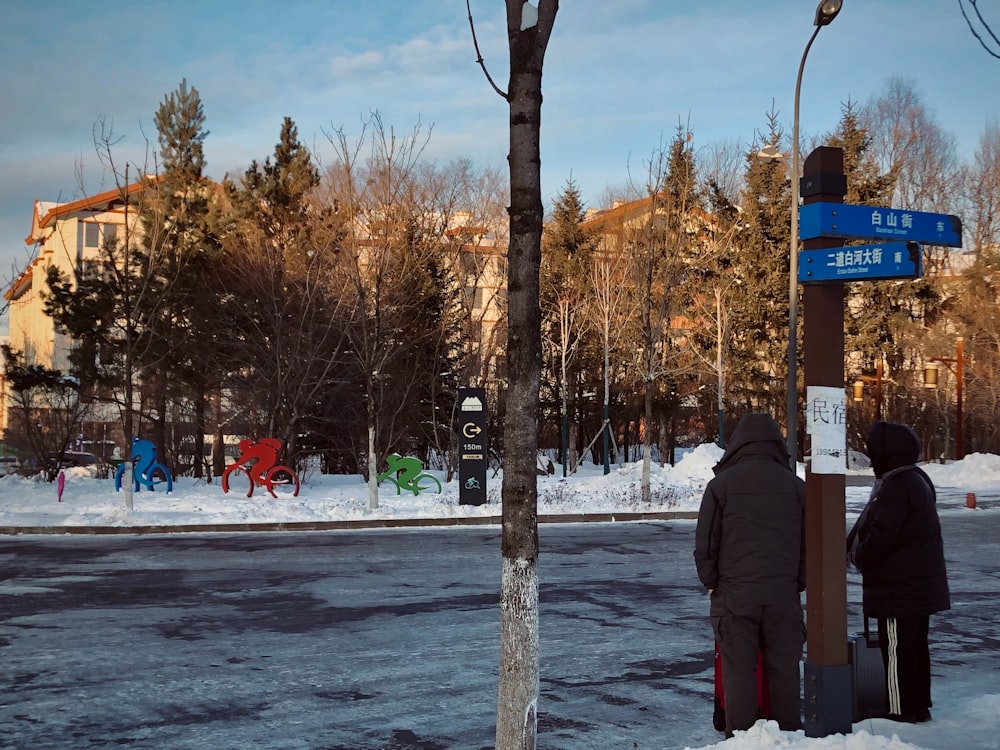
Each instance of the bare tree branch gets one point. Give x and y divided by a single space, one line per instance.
479 56
986 27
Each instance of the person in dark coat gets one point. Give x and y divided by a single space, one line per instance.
750 555
897 546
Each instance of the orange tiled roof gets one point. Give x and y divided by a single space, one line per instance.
106 199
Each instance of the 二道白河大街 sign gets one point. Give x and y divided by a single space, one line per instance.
888 260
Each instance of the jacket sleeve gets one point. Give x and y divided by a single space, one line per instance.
706 538
879 536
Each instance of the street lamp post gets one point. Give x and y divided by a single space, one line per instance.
931 381
826 11
859 388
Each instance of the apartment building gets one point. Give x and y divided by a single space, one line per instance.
67 236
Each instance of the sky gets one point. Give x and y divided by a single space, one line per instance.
965 712
619 78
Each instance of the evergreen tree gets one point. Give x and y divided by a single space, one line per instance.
669 289
434 336
179 121
284 344
276 195
178 246
716 284
867 185
760 258
566 254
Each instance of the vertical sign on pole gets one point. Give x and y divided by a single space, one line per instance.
472 446
826 425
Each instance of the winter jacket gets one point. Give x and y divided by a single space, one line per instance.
899 549
750 538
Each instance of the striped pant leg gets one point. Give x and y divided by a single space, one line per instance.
906 656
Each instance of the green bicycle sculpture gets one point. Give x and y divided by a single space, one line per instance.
407 473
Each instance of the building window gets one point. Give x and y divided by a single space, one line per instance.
474 296
91 235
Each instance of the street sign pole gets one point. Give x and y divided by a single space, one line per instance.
825 264
827 678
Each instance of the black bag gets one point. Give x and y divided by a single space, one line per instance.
868 692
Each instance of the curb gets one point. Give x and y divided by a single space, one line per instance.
381 523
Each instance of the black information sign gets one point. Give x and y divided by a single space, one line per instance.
472 455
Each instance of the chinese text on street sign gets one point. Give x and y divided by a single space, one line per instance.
826 423
889 260
848 220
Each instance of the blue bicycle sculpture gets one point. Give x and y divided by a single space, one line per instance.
146 470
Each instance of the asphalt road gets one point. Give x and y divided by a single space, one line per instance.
357 640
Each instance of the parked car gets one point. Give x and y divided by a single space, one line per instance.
73 458
78 458
9 465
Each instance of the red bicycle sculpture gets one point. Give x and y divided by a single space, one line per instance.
258 463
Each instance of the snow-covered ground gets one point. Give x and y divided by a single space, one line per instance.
85 501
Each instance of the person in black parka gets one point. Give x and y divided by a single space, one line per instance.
750 555
897 546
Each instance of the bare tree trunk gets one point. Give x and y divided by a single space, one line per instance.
199 432
647 440
372 459
662 442
517 704
218 436
574 442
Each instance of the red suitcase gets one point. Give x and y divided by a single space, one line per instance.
763 700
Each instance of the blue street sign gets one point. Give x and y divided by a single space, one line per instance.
878 223
889 260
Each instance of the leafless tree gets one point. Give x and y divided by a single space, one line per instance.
117 306
47 411
528 31
722 164
909 142
474 246
981 179
973 302
611 312
392 242
662 250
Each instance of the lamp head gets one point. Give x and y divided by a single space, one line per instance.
770 153
931 374
826 11
858 390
